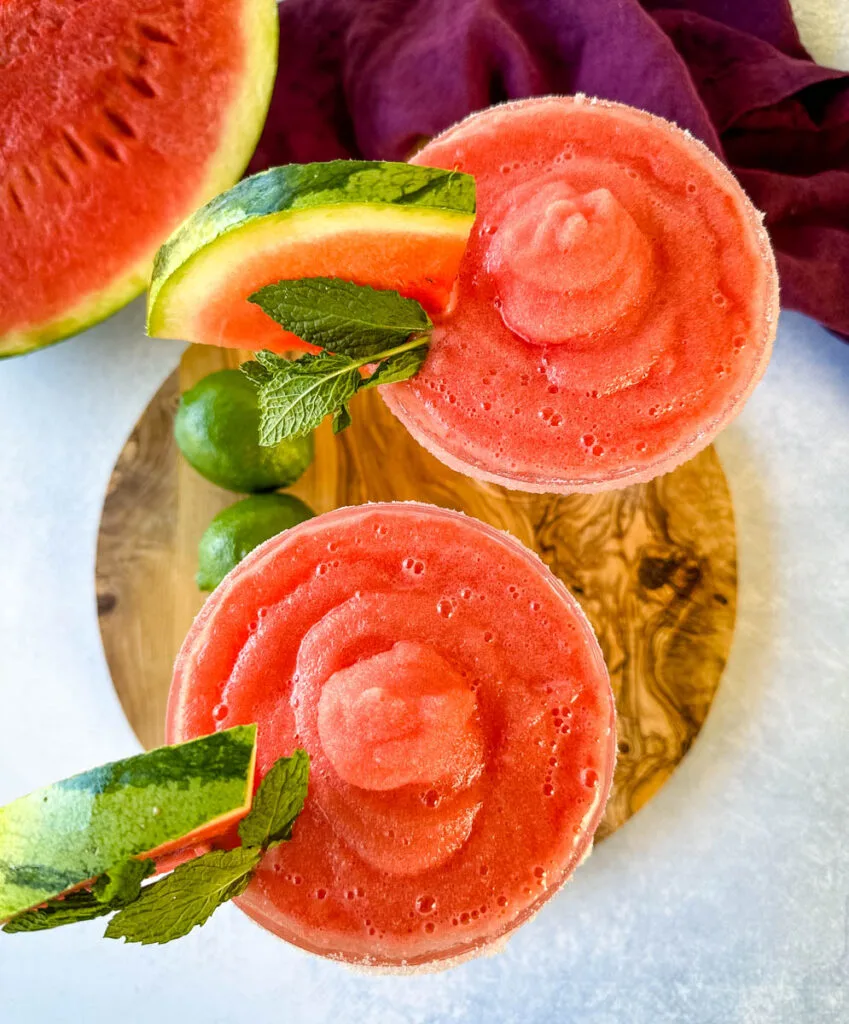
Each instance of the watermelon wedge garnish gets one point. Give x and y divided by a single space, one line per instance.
147 806
117 119
386 225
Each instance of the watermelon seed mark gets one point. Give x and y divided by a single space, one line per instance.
29 174
16 199
109 150
141 85
156 35
59 171
75 146
120 124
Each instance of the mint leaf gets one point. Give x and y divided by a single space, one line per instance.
122 884
397 367
342 419
278 802
342 317
76 906
301 392
185 899
256 372
266 363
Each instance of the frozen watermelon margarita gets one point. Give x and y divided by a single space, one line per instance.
616 303
458 717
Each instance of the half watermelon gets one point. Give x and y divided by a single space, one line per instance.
387 225
117 119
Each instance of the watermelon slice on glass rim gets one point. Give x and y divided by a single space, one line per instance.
386 225
164 805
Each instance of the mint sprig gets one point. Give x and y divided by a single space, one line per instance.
357 327
174 905
295 396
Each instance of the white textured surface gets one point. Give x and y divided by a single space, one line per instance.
725 901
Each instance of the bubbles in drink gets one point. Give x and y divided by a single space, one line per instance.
426 904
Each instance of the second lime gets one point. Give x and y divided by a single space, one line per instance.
237 530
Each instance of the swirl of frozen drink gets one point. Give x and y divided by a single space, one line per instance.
567 264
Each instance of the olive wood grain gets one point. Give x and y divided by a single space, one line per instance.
654 567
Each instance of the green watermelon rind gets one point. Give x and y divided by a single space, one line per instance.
65 834
246 119
283 191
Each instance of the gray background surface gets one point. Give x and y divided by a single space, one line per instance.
725 900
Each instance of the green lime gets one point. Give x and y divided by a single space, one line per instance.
237 530
217 429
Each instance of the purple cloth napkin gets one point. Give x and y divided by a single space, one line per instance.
373 77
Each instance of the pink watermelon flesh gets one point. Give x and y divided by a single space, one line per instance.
110 113
421 265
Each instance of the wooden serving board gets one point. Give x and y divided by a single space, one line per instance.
654 566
